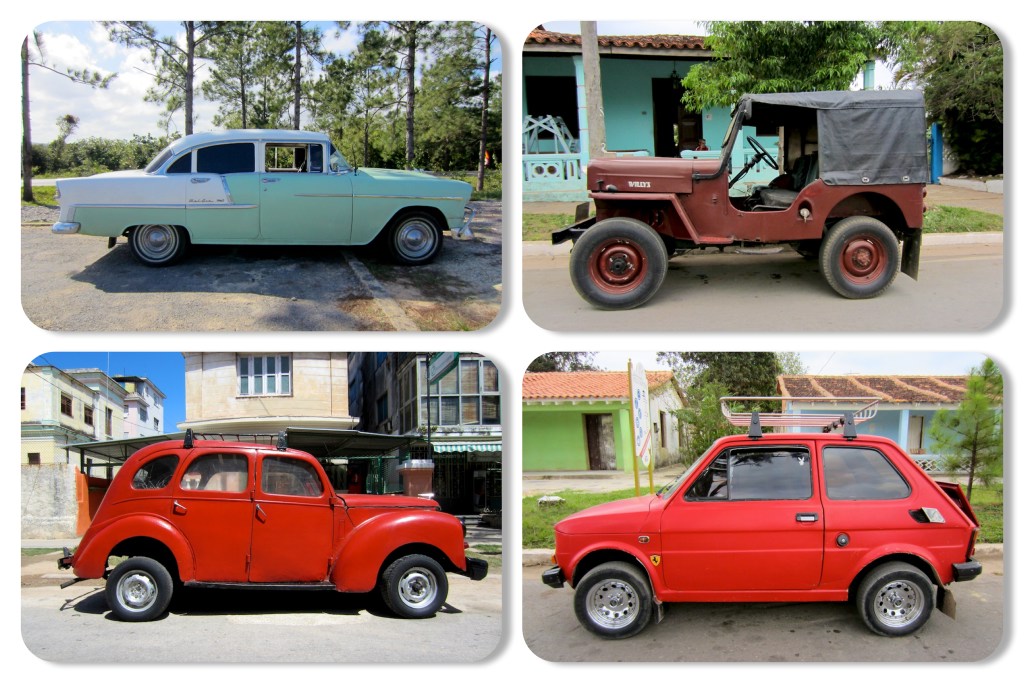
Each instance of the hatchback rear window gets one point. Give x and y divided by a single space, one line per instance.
853 474
155 474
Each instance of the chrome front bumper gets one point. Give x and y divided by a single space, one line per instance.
463 232
66 228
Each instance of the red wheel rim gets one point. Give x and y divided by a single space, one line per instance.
864 259
618 265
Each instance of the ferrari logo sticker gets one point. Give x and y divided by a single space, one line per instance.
656 560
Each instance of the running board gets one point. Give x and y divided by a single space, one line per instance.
272 586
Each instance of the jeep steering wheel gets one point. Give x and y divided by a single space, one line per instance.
762 153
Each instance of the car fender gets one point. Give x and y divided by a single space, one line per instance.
363 553
614 547
90 559
921 553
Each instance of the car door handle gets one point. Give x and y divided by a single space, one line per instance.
200 180
179 509
270 180
807 517
260 514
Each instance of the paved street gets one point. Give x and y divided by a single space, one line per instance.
763 632
960 289
209 626
74 283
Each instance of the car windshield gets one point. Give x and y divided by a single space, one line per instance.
338 162
672 486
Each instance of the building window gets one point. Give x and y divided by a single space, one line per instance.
264 375
108 425
33 459
22 398
469 395
156 424
143 414
65 405
89 415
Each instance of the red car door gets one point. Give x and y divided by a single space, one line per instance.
752 521
292 521
212 506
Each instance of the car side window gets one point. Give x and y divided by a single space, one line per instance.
182 164
217 473
756 474
292 158
155 474
229 158
855 474
290 477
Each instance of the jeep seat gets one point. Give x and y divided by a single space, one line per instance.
805 170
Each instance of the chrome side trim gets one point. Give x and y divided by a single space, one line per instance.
320 194
222 206
410 197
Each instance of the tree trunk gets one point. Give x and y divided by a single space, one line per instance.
298 72
190 72
592 86
483 115
26 130
410 101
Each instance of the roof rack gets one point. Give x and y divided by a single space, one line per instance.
855 410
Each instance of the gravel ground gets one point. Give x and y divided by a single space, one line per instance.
73 283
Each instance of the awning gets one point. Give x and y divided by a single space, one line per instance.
454 447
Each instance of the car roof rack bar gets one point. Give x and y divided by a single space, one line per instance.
189 440
863 409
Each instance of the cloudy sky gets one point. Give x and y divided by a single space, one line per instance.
119 111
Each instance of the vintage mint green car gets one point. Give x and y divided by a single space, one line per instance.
263 187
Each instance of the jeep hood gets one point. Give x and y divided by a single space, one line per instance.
615 517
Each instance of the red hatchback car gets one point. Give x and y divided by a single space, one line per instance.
234 515
785 517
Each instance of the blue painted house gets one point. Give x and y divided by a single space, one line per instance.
907 404
644 115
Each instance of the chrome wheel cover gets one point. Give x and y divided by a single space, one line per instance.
416 238
417 587
156 242
613 604
898 603
137 591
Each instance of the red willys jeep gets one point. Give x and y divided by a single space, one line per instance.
855 166
783 517
234 515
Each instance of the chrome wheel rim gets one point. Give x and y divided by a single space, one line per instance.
415 238
417 587
137 591
898 603
156 242
613 603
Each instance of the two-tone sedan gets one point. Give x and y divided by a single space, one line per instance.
263 187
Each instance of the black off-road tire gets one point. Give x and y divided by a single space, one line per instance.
895 599
618 263
614 600
860 257
139 589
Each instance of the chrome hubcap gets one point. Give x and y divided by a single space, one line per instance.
417 587
416 238
156 241
898 603
613 604
136 591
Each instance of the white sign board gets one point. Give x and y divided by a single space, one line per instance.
641 409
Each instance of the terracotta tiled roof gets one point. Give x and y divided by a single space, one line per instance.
665 42
586 384
894 389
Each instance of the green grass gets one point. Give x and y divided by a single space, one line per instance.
540 226
539 521
492 184
38 552
488 552
987 503
941 219
937 219
43 195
